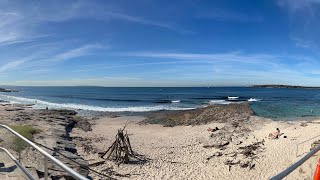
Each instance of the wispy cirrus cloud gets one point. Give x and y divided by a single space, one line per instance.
21 21
298 5
11 65
95 67
222 57
227 15
76 52
49 56
135 19
303 16
263 65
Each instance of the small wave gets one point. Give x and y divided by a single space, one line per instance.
166 101
219 102
162 101
41 104
211 97
98 99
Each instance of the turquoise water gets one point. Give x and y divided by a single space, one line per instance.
272 103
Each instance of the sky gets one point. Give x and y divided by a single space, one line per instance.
159 42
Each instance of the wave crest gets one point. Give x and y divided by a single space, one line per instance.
42 104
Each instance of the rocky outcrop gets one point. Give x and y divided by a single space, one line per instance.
7 90
55 126
213 113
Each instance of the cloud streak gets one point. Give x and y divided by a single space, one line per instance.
11 65
77 52
263 65
48 56
215 57
232 16
304 22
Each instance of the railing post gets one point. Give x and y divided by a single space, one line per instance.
45 163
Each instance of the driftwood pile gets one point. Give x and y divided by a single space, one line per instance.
120 150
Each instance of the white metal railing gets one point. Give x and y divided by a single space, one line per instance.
17 163
303 143
47 157
295 165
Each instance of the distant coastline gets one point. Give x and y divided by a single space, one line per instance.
284 86
7 90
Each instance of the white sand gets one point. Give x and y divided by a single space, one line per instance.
177 152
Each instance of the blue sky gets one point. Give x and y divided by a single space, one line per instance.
160 43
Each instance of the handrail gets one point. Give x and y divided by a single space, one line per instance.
17 163
47 155
304 142
295 165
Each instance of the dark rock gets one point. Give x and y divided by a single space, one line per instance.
84 125
232 162
69 154
7 90
218 144
303 124
61 117
213 113
14 109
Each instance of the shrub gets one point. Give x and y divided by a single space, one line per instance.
26 131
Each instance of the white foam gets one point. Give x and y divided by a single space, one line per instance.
175 101
219 102
42 104
253 100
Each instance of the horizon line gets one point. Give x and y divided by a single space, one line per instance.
153 86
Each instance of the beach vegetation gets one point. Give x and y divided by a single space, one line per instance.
77 118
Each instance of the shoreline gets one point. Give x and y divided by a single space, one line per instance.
239 147
91 109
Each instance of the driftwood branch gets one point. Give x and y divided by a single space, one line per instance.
120 150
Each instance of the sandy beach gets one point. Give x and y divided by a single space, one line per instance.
178 152
238 148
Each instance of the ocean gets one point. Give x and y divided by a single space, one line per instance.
284 104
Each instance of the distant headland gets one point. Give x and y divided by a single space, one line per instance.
7 90
284 86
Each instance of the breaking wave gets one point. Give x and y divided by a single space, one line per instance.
42 104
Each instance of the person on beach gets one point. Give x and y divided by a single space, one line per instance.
213 130
275 135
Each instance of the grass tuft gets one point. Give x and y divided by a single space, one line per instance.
26 131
